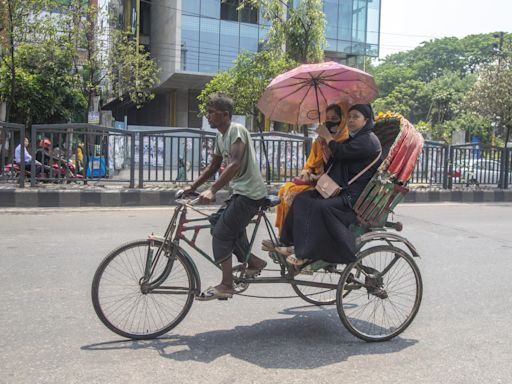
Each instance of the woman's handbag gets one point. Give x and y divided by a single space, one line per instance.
327 187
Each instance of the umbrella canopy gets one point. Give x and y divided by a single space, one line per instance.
301 95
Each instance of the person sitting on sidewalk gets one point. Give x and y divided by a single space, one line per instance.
234 145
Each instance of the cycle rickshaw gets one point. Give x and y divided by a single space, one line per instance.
145 288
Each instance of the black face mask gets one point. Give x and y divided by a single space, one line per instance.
332 125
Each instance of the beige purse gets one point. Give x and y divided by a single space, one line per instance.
327 187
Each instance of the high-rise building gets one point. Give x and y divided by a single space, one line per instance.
192 40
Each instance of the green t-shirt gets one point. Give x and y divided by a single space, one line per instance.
248 180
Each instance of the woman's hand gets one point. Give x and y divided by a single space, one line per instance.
305 176
324 133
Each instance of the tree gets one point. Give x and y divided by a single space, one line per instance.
47 90
246 81
295 35
300 30
131 71
22 21
84 39
491 95
429 83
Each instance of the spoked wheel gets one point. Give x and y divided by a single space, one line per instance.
318 295
136 309
379 294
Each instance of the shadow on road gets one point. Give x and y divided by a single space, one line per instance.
309 339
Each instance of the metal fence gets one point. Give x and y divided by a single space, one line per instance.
85 153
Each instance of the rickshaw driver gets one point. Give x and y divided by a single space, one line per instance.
234 145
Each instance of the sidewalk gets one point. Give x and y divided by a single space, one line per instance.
120 196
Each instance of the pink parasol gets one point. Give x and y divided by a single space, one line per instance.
301 95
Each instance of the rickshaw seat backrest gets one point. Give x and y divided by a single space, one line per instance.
401 147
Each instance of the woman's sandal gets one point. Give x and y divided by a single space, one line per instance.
285 251
296 262
212 293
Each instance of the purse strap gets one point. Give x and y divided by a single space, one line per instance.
365 169
360 173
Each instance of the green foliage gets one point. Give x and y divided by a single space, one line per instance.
247 79
132 72
305 38
52 66
296 35
491 95
300 30
430 83
46 90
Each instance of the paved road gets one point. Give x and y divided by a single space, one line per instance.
50 333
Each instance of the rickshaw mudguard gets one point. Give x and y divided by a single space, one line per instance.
386 236
193 267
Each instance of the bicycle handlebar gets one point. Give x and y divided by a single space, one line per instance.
180 195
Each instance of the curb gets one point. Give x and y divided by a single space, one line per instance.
26 198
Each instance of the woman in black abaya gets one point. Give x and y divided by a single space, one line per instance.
317 228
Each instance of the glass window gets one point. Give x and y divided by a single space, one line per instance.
345 20
344 46
331 18
228 10
359 21
372 50
249 15
210 8
229 40
190 7
249 37
209 46
331 45
261 19
263 33
189 43
373 22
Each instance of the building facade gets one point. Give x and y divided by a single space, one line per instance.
192 40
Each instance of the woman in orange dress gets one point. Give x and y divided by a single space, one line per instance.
314 167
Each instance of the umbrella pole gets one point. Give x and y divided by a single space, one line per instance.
258 119
317 103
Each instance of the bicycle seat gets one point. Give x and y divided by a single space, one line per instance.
270 201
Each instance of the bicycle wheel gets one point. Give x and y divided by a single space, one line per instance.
379 295
317 295
128 307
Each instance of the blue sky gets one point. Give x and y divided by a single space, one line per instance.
406 23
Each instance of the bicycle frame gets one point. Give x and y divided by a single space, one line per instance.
178 226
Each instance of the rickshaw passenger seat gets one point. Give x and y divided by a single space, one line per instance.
401 147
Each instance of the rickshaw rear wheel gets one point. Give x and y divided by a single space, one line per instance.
380 293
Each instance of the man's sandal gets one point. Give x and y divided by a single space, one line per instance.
212 293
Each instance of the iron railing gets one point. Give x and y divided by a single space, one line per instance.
86 153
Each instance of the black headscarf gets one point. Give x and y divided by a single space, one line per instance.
365 109
367 112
